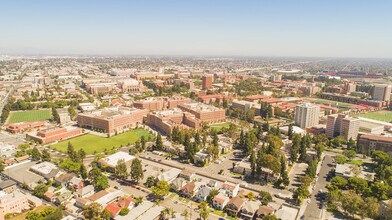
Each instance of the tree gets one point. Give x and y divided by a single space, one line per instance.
137 170
35 154
138 200
312 168
319 147
150 182
283 171
294 150
143 143
380 190
350 154
357 184
340 159
211 195
92 211
105 215
302 150
124 211
121 170
133 150
253 163
45 155
83 171
52 213
270 217
204 211
351 203
265 197
101 182
371 207
34 215
290 132
81 154
215 139
56 117
40 190
71 152
158 142
339 182
351 145
161 189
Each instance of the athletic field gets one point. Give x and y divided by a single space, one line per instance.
385 116
30 115
95 144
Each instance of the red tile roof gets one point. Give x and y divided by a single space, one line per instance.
113 209
376 137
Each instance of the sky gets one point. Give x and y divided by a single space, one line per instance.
314 28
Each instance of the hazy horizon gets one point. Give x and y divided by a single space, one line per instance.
325 29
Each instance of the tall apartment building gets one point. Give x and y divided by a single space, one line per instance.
342 125
350 87
275 77
307 115
207 81
382 92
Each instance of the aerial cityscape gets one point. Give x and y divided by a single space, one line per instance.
185 110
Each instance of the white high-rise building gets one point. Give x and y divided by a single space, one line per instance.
307 115
382 92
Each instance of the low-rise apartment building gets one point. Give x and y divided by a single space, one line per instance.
55 134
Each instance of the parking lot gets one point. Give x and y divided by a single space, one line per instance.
20 173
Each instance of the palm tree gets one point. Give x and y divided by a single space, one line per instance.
164 214
138 200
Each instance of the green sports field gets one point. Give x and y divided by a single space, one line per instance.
95 144
383 115
29 116
327 102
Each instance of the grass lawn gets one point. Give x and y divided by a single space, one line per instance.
23 215
333 103
93 143
383 115
356 162
218 127
32 115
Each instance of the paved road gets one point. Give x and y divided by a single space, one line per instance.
314 209
256 188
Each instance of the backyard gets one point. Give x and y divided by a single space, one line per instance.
385 116
29 116
92 144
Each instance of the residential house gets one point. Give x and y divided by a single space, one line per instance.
249 210
234 206
8 186
212 183
201 158
220 201
64 197
85 191
82 202
264 211
115 207
187 175
75 183
231 188
50 196
189 190
177 184
202 194
63 179
169 175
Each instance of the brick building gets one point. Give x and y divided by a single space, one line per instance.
206 113
55 134
369 142
24 126
160 103
113 119
207 81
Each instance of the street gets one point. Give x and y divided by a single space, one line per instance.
316 208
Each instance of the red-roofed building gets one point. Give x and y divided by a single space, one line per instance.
113 209
368 142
